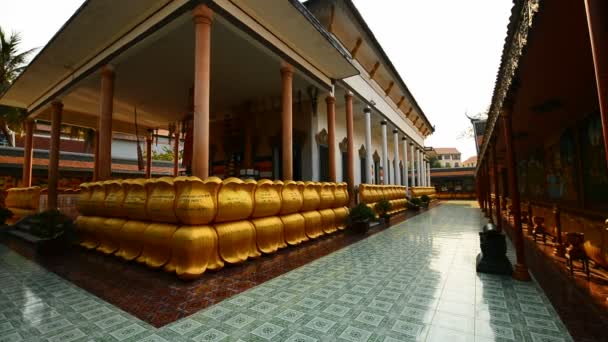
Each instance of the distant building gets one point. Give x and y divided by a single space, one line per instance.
448 157
470 162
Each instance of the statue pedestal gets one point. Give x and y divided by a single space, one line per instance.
493 256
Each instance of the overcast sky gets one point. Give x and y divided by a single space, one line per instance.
446 51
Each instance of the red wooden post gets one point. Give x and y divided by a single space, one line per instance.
520 271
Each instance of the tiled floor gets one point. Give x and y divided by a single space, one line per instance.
160 298
414 281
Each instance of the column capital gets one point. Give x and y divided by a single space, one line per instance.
202 15
395 131
330 99
383 122
404 138
367 110
286 69
107 71
348 95
57 104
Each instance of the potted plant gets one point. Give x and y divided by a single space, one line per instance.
425 200
5 214
414 203
382 208
55 231
360 217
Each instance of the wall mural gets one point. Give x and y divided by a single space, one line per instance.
532 175
595 170
551 172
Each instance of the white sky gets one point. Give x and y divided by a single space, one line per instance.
446 51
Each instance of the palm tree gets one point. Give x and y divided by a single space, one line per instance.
12 63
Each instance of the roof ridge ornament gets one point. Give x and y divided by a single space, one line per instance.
512 52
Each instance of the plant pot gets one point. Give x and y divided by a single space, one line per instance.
387 220
360 227
57 246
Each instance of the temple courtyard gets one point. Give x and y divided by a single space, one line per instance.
413 281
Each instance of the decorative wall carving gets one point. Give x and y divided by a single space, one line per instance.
343 145
322 137
519 28
362 152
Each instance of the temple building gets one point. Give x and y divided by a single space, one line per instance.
448 156
249 93
542 173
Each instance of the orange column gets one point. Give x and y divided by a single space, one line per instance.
287 121
203 17
95 156
104 158
489 192
597 20
176 154
53 175
350 147
248 155
496 187
520 271
28 153
331 135
149 155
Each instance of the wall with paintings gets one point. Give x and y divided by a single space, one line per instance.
569 169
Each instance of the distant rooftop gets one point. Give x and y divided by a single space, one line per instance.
472 159
446 150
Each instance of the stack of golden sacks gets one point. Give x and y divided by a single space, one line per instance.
22 202
186 225
424 190
370 194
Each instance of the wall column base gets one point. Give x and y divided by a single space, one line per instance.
520 272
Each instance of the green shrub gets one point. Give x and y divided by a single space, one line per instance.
52 224
416 201
5 214
361 212
383 207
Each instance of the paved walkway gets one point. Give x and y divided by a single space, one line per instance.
414 281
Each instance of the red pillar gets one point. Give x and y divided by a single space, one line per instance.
350 147
597 20
496 186
520 271
104 158
95 156
28 154
176 153
149 155
488 190
203 17
331 135
53 173
287 121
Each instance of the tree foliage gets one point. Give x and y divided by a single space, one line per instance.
12 63
468 132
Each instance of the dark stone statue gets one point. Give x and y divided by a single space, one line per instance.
493 256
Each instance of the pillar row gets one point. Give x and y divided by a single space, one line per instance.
368 144
413 154
385 165
397 172
405 166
